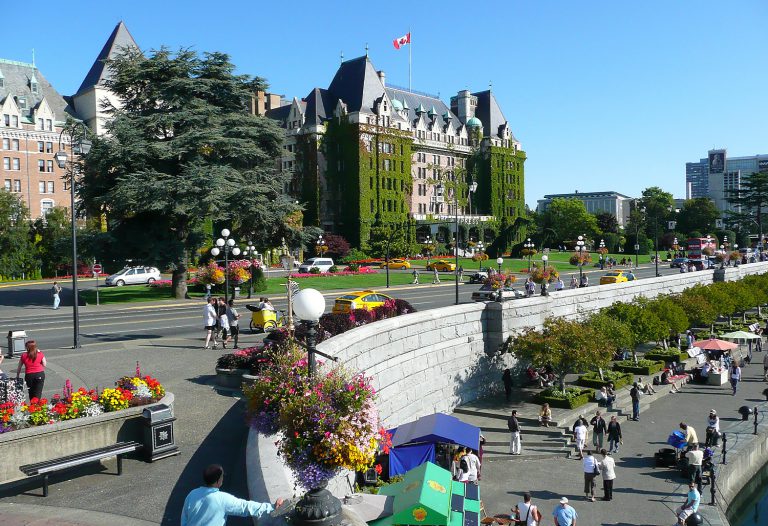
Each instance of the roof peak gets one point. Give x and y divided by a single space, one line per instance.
119 38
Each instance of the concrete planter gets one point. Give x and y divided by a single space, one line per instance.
40 443
249 379
230 378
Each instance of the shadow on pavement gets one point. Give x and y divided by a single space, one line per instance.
33 297
225 445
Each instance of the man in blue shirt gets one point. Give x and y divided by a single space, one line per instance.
207 506
691 505
564 514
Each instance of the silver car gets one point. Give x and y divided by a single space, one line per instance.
133 276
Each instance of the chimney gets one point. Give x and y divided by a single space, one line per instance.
382 78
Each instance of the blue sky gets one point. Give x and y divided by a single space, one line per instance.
603 95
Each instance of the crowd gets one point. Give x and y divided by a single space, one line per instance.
221 322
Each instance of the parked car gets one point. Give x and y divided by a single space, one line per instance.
133 276
616 276
702 264
478 277
362 299
442 266
487 293
396 264
324 264
679 262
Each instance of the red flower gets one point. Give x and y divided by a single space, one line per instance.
378 468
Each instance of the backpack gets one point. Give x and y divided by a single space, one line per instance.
464 465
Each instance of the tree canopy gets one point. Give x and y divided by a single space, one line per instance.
17 254
182 148
750 199
568 219
697 214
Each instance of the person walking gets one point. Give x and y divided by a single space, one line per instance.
208 506
461 273
695 457
564 514
614 434
507 379
209 322
221 311
474 466
56 293
690 506
580 435
608 470
415 275
234 322
765 367
559 285
634 394
34 363
735 376
591 470
435 276
515 447
527 512
713 429
598 430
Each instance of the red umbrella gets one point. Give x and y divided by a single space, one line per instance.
713 344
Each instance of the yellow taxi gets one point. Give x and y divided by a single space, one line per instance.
396 263
362 299
442 266
617 276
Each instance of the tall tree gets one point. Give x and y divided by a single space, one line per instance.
53 238
607 223
183 148
698 214
17 253
749 200
657 208
568 219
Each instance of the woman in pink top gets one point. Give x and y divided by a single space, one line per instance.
34 370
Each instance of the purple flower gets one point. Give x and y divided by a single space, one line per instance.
265 423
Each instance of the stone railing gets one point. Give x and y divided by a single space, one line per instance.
40 443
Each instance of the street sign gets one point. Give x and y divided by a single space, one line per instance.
97 268
637 247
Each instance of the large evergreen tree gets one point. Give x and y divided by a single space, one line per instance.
698 215
182 148
749 201
17 253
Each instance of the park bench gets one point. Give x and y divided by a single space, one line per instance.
58 464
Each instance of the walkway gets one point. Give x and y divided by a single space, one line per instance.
643 493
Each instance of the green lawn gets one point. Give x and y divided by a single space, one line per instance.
557 259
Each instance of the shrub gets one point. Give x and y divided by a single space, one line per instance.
353 267
403 307
334 269
618 379
362 316
259 280
314 270
354 255
228 361
334 324
643 367
480 256
671 355
571 398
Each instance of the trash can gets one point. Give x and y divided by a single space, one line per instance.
159 437
236 293
17 340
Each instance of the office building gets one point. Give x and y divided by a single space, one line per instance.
596 202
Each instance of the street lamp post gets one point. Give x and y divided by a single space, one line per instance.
544 259
471 190
428 248
499 262
528 245
440 190
656 244
580 247
80 145
602 247
250 252
322 248
309 304
227 244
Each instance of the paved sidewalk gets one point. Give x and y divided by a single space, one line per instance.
643 493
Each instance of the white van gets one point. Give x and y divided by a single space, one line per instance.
324 264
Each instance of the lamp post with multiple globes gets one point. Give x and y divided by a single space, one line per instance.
226 244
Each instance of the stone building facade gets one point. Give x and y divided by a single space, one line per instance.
363 154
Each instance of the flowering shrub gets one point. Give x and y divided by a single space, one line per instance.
345 272
16 413
166 283
327 423
250 358
211 274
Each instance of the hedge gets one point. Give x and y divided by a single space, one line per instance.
629 366
618 379
565 403
660 355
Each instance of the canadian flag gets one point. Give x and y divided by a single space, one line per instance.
403 40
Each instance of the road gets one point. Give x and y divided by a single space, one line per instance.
27 307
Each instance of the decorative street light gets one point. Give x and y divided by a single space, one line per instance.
250 253
529 246
735 249
440 190
471 190
227 244
322 248
480 246
427 246
499 262
81 145
580 250
602 256
309 305
544 260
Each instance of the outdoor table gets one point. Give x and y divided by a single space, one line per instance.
716 378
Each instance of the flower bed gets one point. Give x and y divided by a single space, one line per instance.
643 367
666 356
129 391
166 283
571 398
618 379
361 270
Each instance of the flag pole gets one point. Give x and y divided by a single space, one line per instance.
409 60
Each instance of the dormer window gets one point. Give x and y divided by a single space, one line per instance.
22 103
33 87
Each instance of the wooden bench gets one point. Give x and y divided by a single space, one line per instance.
57 464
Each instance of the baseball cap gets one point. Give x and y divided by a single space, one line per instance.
564 500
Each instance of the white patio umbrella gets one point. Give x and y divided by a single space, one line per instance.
740 336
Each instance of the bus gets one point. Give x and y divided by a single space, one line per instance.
696 245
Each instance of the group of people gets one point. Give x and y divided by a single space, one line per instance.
601 430
465 466
544 377
221 321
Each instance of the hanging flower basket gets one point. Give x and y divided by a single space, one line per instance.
544 275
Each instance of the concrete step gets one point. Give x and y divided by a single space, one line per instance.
528 453
495 444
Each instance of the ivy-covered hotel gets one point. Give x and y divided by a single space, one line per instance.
364 154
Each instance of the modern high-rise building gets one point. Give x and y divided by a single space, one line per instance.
364 153
595 202
717 174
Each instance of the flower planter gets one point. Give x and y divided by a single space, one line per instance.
566 403
249 379
230 378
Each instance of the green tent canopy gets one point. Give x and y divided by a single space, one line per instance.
428 496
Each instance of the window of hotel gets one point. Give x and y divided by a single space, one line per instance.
6 144
22 103
15 121
49 147
6 119
7 185
16 163
46 205
40 165
40 146
50 187
41 187
49 166
40 124
49 124
6 163
17 185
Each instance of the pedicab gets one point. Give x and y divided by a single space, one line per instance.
265 320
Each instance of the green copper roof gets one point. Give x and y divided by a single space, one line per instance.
474 122
396 104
